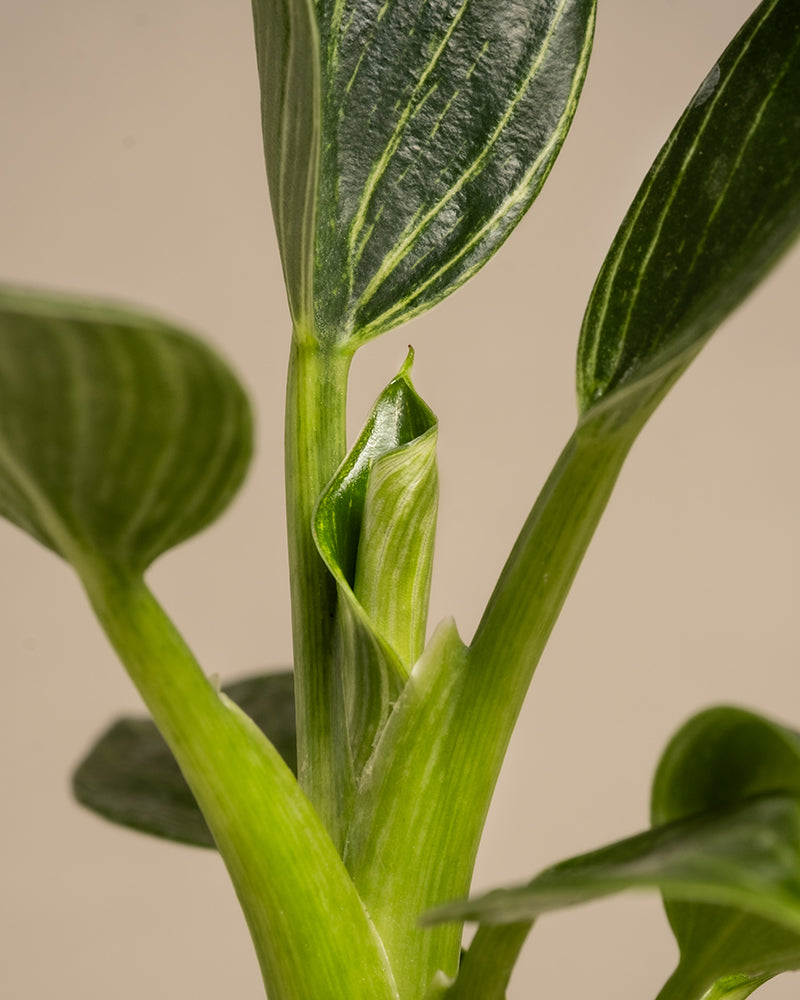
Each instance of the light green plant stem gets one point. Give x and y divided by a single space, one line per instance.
431 778
315 445
311 933
686 984
539 572
485 969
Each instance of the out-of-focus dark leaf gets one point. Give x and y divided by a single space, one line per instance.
131 778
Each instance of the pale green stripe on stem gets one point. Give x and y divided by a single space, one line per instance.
311 932
315 445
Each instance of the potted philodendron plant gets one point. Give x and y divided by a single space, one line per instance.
347 796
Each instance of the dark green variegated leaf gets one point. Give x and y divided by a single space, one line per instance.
438 126
718 207
440 123
287 49
753 100
131 778
120 436
745 861
374 527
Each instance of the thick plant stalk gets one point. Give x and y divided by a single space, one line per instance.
312 935
455 718
315 445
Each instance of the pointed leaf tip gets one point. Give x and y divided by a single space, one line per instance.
440 124
719 206
408 364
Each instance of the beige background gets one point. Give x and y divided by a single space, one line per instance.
130 165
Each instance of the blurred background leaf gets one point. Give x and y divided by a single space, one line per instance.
131 778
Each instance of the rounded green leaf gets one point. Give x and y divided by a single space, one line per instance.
120 436
722 757
131 778
719 206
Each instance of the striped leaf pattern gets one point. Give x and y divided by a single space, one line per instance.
404 140
440 123
287 52
718 207
120 436
645 321
374 527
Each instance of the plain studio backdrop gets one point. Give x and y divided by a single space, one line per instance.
131 167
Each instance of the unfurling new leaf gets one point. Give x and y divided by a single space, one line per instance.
374 526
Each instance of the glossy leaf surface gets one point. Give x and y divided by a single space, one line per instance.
374 527
438 126
616 403
536 578
131 778
718 207
120 436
